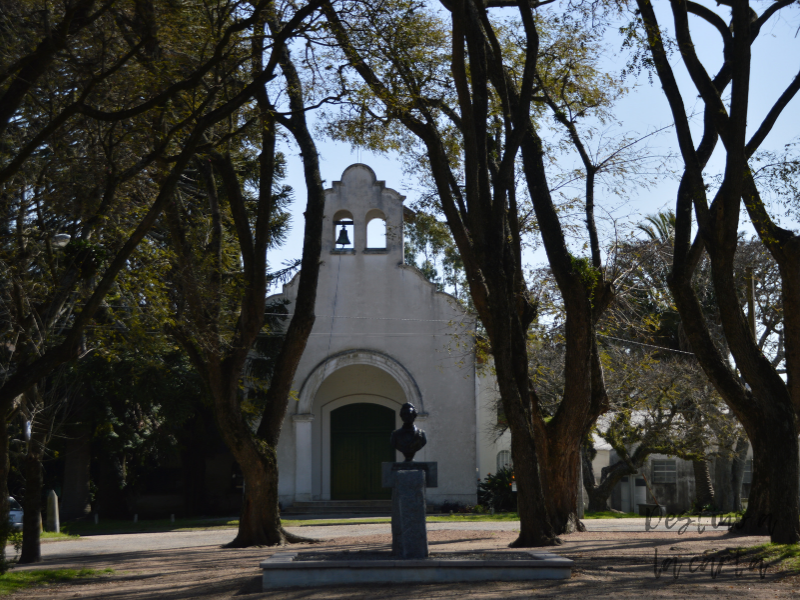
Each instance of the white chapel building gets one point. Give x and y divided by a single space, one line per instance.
383 336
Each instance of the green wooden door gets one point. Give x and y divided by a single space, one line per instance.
359 444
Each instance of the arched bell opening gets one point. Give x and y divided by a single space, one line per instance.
343 231
376 230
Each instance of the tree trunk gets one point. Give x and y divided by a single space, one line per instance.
612 475
535 527
596 503
561 474
32 502
77 473
260 521
703 488
5 467
772 507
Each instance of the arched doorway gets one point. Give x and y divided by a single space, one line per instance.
359 444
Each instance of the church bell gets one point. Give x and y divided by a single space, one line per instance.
343 239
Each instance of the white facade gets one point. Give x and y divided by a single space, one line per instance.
383 336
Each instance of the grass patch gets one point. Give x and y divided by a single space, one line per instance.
14 581
110 526
60 536
310 522
471 517
76 529
784 557
454 518
607 514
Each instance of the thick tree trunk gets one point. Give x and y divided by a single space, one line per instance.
32 503
561 473
703 488
5 467
535 527
766 410
772 507
260 521
483 217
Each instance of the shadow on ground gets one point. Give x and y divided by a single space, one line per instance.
608 565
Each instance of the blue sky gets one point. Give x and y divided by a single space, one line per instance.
776 60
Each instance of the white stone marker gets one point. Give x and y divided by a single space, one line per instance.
53 523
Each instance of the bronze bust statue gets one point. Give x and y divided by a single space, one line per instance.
408 439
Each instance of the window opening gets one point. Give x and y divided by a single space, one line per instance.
376 234
503 460
665 471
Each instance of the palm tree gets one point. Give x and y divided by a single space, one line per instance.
659 227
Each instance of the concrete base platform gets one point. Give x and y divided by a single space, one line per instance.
280 570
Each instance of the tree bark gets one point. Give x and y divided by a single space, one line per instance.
772 498
32 502
5 467
703 488
260 521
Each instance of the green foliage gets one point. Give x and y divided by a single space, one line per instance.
137 407
659 227
496 490
582 267
608 514
14 540
429 246
88 257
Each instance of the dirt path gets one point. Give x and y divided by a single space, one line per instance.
608 564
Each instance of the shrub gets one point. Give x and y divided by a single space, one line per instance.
496 490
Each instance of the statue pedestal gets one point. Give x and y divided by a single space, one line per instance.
408 481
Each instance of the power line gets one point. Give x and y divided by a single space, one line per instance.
662 348
373 318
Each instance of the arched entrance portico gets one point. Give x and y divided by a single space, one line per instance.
350 405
